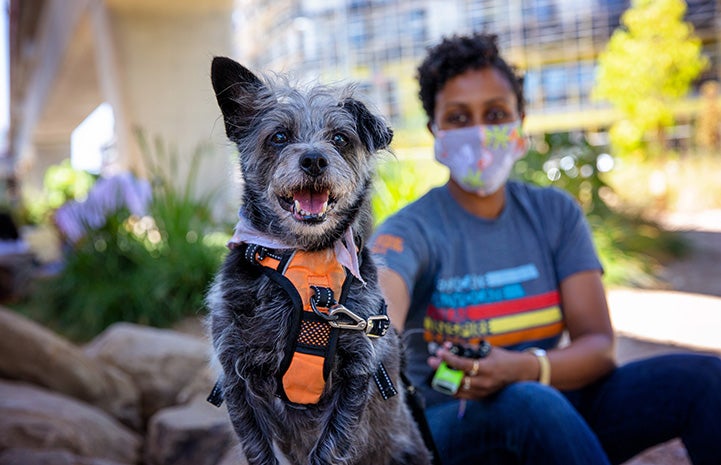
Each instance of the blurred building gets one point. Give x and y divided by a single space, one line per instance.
149 60
380 42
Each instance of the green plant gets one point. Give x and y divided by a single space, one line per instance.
61 183
568 161
400 181
632 249
151 269
649 62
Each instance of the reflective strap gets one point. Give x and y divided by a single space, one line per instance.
384 383
216 394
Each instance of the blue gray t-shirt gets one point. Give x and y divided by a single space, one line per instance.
472 279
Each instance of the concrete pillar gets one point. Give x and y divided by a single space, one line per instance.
162 75
150 60
58 26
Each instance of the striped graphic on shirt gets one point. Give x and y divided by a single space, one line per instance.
500 323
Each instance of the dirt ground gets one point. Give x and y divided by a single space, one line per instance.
683 314
698 272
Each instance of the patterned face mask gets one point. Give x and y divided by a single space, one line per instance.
480 157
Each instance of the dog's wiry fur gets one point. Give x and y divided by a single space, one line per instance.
319 140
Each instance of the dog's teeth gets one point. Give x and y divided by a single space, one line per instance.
299 211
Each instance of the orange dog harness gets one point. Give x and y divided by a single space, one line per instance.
313 280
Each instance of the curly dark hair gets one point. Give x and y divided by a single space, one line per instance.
457 54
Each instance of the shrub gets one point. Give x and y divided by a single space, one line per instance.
152 269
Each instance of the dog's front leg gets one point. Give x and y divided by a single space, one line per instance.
341 438
253 432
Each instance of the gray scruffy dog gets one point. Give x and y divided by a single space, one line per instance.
314 370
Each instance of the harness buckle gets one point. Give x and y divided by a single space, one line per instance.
377 326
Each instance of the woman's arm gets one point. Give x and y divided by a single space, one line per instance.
591 353
396 294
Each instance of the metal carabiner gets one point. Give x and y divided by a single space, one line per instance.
338 310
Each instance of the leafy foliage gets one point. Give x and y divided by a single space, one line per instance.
630 247
569 162
150 270
399 182
649 62
61 183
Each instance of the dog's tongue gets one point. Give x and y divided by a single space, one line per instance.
311 202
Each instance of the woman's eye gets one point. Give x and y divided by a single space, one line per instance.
457 119
279 138
339 140
496 116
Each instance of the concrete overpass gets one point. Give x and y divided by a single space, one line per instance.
149 59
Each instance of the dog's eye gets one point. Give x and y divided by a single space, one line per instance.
339 140
279 138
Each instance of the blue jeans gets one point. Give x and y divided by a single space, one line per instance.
637 406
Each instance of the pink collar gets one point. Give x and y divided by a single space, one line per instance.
344 248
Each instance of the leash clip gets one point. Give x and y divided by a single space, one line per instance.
374 327
358 323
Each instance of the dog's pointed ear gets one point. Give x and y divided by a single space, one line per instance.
235 89
373 131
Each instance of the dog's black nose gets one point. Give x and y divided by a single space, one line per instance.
313 163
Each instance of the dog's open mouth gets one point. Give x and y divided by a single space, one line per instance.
308 204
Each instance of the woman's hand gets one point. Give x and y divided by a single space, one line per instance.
487 375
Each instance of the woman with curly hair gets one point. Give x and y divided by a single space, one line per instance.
485 277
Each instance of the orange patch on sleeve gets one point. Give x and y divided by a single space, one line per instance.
386 242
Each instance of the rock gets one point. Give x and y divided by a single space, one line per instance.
200 386
48 457
34 418
234 456
29 352
669 453
194 434
160 362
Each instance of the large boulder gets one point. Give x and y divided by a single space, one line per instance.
48 457
235 456
161 362
669 453
34 418
194 434
30 352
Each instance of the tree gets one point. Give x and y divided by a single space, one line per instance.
708 123
649 62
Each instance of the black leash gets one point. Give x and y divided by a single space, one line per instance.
416 403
